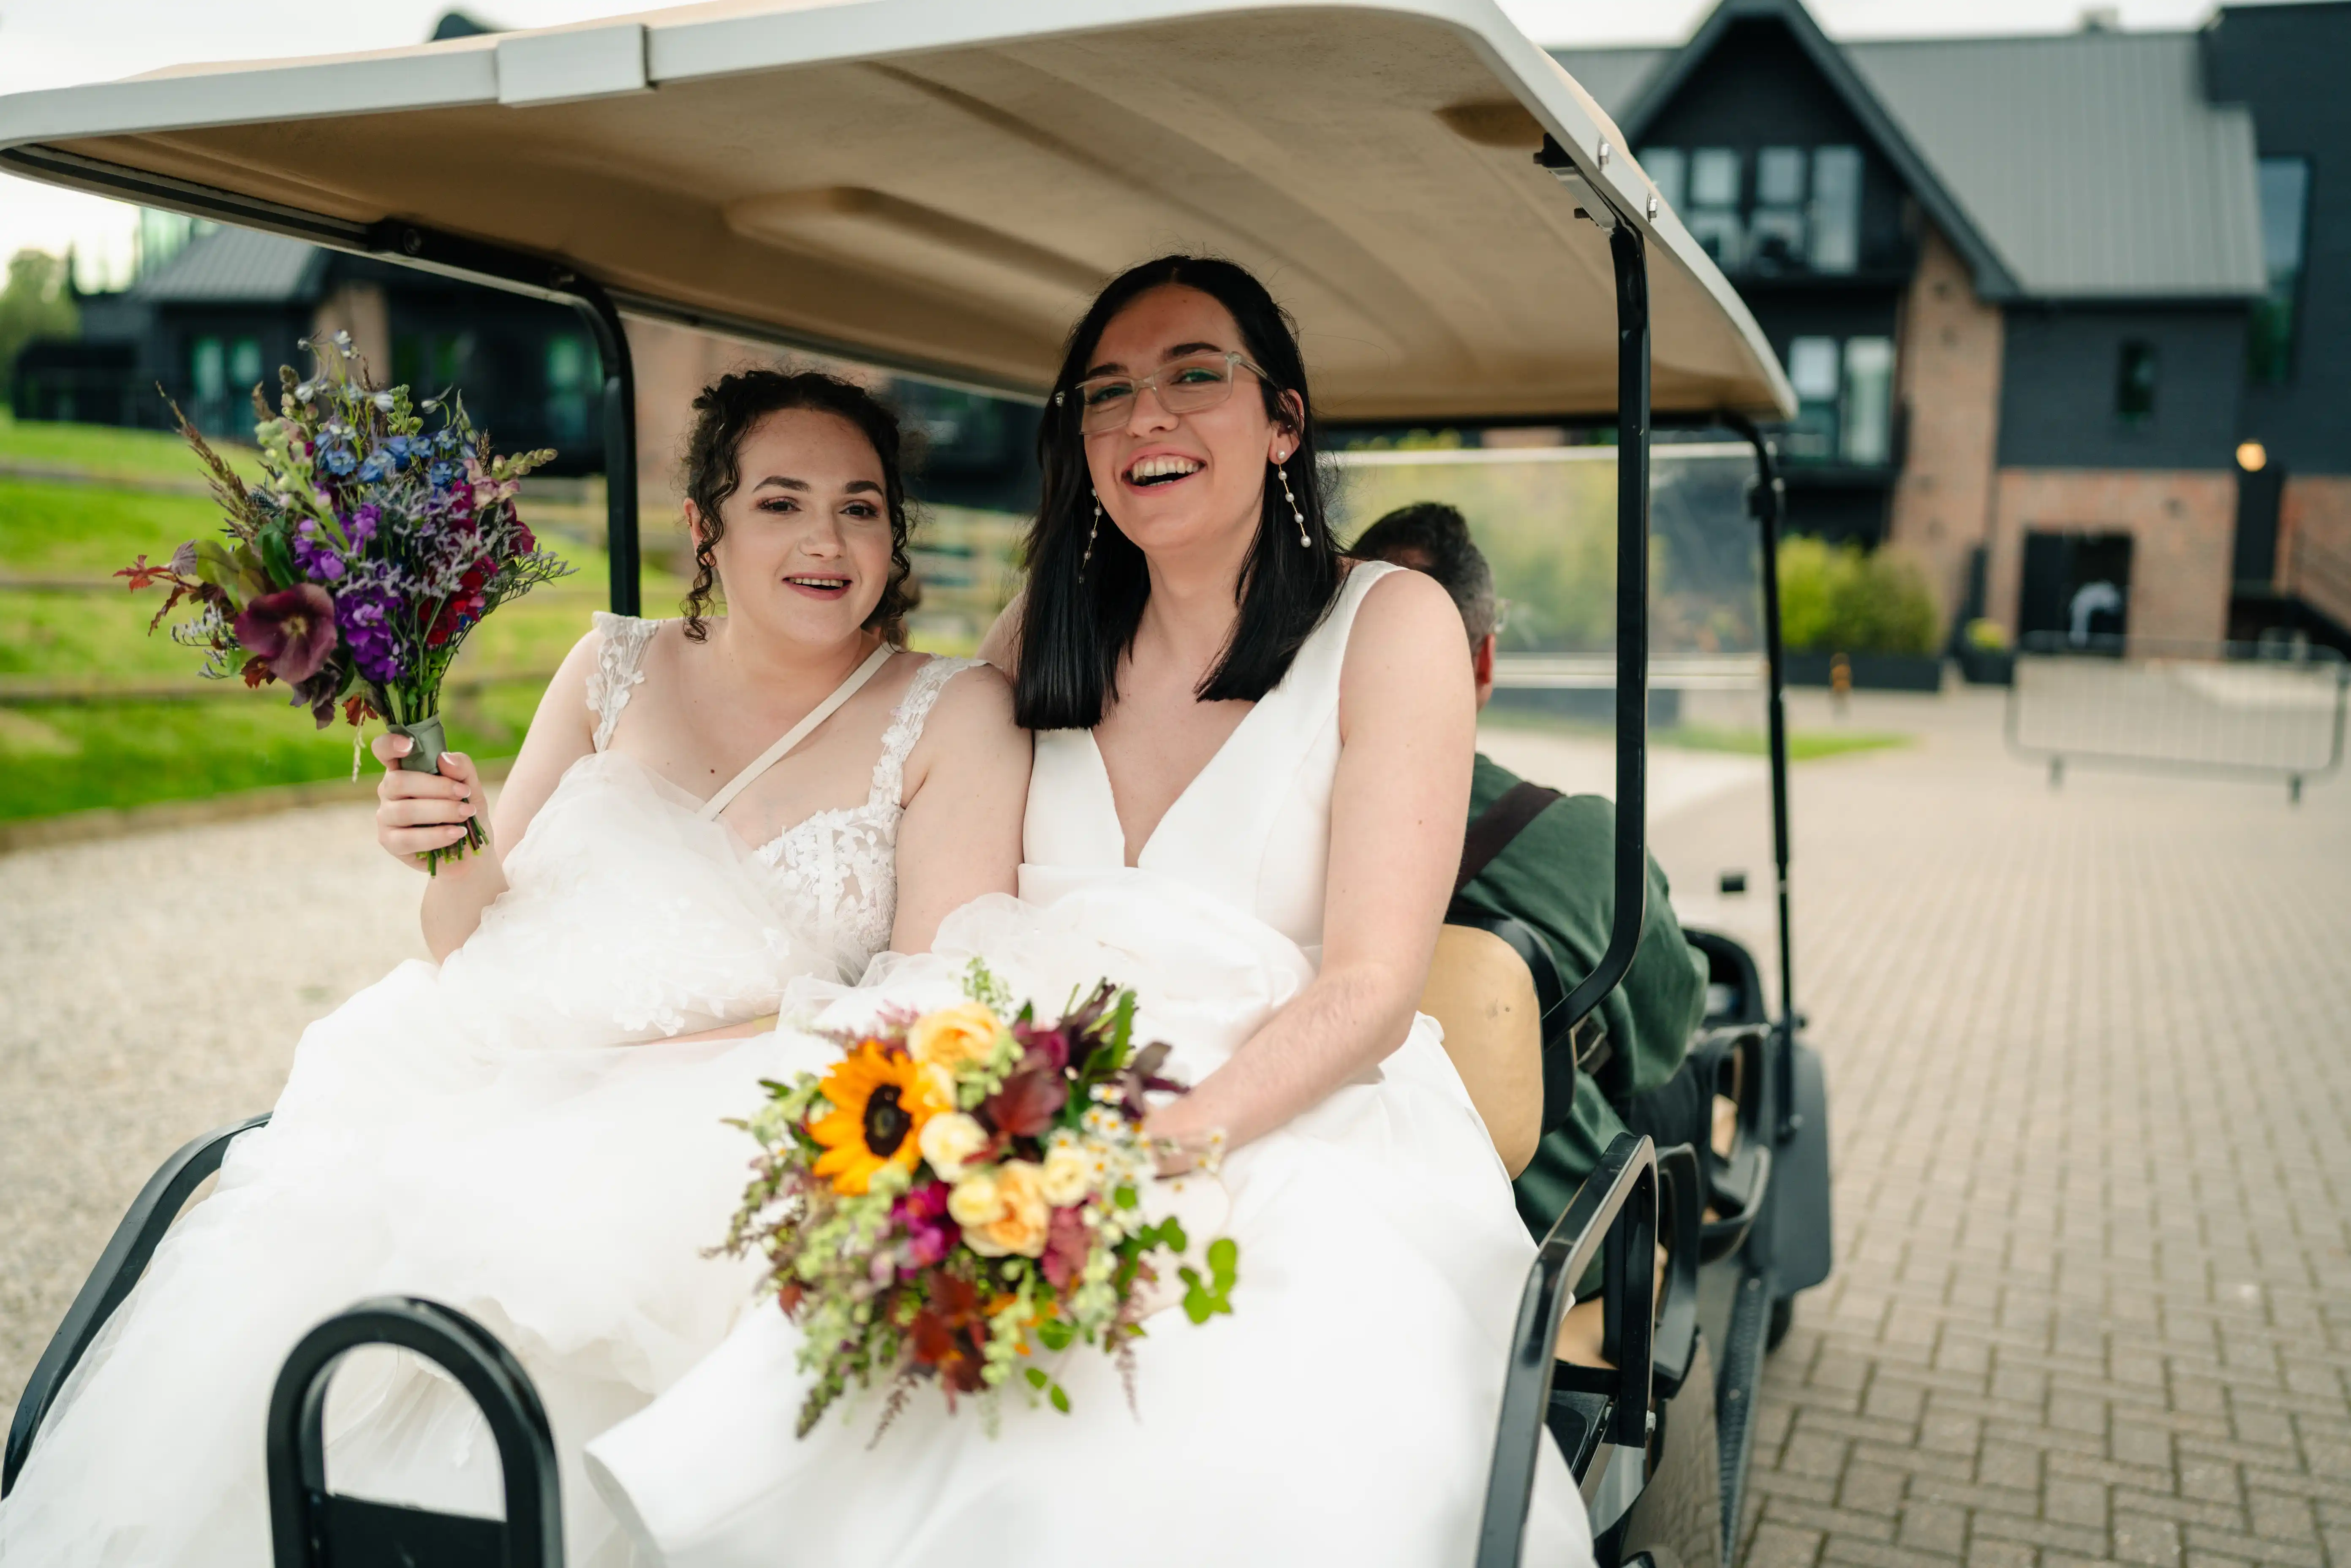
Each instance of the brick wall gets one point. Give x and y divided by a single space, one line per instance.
2181 526
2314 542
1947 373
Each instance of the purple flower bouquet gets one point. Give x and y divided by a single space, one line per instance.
354 570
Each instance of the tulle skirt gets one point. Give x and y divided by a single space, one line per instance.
1343 1413
507 1132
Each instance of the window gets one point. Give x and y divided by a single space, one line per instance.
431 363
567 376
1844 401
1868 401
1803 212
2135 378
1813 371
208 369
1837 209
1663 166
1713 216
2285 212
244 365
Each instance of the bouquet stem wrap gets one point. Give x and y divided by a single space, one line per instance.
425 757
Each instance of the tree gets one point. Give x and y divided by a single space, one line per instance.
35 303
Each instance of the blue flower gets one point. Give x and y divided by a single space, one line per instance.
445 443
377 465
338 460
441 473
396 448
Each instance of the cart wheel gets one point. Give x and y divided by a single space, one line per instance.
1783 1318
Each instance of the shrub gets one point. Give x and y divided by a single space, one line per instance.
1843 598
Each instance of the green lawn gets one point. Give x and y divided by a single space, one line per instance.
103 450
1803 745
60 756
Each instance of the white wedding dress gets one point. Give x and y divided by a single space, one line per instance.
505 1133
1345 1413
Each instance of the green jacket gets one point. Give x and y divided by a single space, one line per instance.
1559 877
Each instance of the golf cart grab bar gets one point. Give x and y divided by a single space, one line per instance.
110 1280
1619 1200
1631 903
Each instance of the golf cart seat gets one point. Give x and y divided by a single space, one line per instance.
1494 988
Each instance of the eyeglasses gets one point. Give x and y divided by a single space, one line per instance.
1193 384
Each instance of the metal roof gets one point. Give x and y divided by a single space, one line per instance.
233 265
2090 164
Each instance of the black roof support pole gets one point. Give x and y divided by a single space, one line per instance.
1624 249
521 273
1770 504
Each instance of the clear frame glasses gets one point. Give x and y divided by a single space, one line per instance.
1193 384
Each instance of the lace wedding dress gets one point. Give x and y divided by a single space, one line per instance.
1345 1413
505 1133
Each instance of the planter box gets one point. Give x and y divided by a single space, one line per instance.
1988 666
1871 672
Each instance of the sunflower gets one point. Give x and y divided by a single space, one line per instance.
880 1102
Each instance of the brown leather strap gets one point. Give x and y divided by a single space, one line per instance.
1497 825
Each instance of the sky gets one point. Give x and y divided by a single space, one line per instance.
57 43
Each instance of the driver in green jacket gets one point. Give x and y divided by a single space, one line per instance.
1558 876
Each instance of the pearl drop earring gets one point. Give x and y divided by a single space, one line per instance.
1283 475
1087 559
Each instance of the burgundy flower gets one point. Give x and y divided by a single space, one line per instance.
1046 1049
294 629
1026 1105
1067 1242
930 1234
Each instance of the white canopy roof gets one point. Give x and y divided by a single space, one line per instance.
940 184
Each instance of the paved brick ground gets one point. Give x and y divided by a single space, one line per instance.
2092 1106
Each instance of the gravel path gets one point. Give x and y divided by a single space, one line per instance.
155 987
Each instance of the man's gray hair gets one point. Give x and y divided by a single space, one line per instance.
1431 536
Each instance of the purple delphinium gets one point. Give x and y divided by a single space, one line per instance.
365 613
316 558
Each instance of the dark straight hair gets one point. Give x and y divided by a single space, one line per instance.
1078 619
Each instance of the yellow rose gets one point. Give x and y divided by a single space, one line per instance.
1002 1211
1066 1176
951 1141
952 1036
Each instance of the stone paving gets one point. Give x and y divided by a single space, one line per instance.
2091 1098
2090 1095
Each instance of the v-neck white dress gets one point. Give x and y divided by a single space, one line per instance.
508 1131
1345 1413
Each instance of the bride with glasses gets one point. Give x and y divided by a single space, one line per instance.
1251 766
529 1130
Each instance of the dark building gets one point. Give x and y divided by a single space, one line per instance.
223 313
2067 315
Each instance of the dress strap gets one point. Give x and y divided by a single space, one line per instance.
906 725
798 732
620 658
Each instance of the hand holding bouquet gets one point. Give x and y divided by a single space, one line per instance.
353 572
959 1193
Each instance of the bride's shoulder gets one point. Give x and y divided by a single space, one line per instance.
970 709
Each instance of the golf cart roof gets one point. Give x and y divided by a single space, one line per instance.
940 184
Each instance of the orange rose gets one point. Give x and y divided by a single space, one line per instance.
1002 1210
966 1032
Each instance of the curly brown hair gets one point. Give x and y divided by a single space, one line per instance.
725 413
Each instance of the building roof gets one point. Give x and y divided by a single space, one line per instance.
234 266
2089 165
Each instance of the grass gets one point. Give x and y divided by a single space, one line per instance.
105 451
1803 745
68 757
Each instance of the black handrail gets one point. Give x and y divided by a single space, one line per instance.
300 1504
518 272
1631 878
1616 1208
117 1271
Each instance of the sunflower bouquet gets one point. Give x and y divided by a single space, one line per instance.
353 572
961 1197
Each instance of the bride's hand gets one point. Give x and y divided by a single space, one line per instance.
418 811
1179 1143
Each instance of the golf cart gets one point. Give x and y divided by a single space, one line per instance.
937 188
